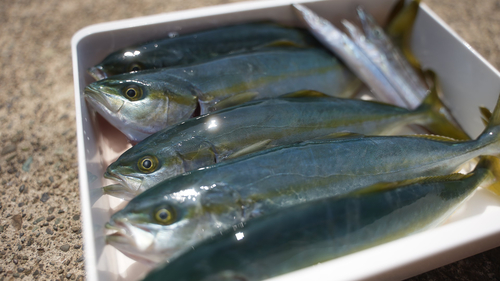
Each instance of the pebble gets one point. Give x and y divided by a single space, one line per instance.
1 228
64 248
77 246
60 211
38 220
76 229
20 269
80 259
27 164
36 272
68 276
19 247
51 218
51 210
12 170
76 217
30 241
17 221
8 149
45 197
20 204
49 231
21 188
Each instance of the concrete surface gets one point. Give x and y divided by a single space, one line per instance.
40 231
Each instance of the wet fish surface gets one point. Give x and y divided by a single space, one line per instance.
140 104
317 231
200 46
258 125
178 213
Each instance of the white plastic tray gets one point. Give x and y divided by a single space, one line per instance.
468 81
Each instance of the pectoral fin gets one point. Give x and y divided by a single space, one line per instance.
485 115
251 148
235 100
383 186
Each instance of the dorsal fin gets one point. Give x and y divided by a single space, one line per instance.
494 120
306 94
337 136
400 30
281 43
491 163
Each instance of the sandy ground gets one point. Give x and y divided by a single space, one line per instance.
40 229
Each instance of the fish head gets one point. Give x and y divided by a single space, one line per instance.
155 228
139 106
135 59
141 167
173 216
124 61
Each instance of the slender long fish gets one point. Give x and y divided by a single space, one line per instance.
317 231
178 213
351 54
200 46
140 104
258 125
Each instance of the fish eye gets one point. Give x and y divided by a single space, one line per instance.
133 93
148 164
134 67
164 216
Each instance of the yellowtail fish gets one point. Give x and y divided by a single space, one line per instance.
259 125
140 104
200 46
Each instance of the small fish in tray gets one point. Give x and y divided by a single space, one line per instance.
174 215
258 125
317 231
140 104
200 46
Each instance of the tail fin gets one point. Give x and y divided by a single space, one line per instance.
494 118
441 122
400 29
492 164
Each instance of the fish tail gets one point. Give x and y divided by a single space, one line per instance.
439 121
490 137
492 165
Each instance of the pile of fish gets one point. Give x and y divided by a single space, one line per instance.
254 158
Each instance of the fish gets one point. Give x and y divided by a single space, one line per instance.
352 55
200 46
140 104
178 213
314 232
258 125
382 63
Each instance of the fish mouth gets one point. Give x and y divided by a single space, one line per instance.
102 100
97 73
121 189
117 234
